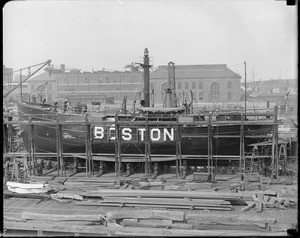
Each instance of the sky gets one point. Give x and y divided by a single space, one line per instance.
92 35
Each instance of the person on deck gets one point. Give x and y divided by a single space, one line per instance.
66 102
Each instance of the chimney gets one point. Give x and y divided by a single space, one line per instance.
62 67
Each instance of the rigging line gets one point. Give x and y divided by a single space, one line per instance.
43 85
18 70
235 65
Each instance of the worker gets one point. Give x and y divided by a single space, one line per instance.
55 106
43 103
66 105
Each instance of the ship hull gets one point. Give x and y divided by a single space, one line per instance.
193 138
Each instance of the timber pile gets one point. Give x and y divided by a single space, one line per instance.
143 223
262 201
162 199
180 220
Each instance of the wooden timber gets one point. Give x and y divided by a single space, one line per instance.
59 217
146 214
176 201
165 202
156 225
166 194
248 207
129 231
144 205
230 218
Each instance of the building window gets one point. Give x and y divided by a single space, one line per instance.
229 84
193 85
151 86
200 85
215 92
291 109
179 85
229 96
186 85
201 96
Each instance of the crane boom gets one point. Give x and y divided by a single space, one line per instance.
28 77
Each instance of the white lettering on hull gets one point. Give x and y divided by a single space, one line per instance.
139 134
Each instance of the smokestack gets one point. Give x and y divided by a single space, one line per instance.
146 67
62 67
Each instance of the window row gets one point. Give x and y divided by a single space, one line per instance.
196 85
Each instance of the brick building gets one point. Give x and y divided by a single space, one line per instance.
56 84
209 83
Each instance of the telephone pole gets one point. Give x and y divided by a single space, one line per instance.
245 90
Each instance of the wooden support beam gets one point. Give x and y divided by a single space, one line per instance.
230 218
248 207
5 139
166 194
88 148
209 148
59 148
274 164
147 147
31 148
118 161
191 207
127 223
128 231
59 217
242 169
146 214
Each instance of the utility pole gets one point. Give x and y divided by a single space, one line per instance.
21 85
245 90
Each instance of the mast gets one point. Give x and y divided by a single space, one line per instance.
171 83
245 90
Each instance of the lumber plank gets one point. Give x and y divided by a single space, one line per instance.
129 231
67 223
156 225
24 195
241 227
59 217
146 214
167 194
172 202
175 200
229 218
248 207
192 207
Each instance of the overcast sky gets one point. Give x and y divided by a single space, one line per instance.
113 33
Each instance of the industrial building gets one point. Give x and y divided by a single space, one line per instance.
208 83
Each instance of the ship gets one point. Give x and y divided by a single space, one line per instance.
160 133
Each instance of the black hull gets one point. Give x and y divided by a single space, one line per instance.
193 138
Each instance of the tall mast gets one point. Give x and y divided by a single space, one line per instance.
171 83
245 89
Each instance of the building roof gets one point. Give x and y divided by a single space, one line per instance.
44 77
196 71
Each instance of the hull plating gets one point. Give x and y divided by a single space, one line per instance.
226 140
